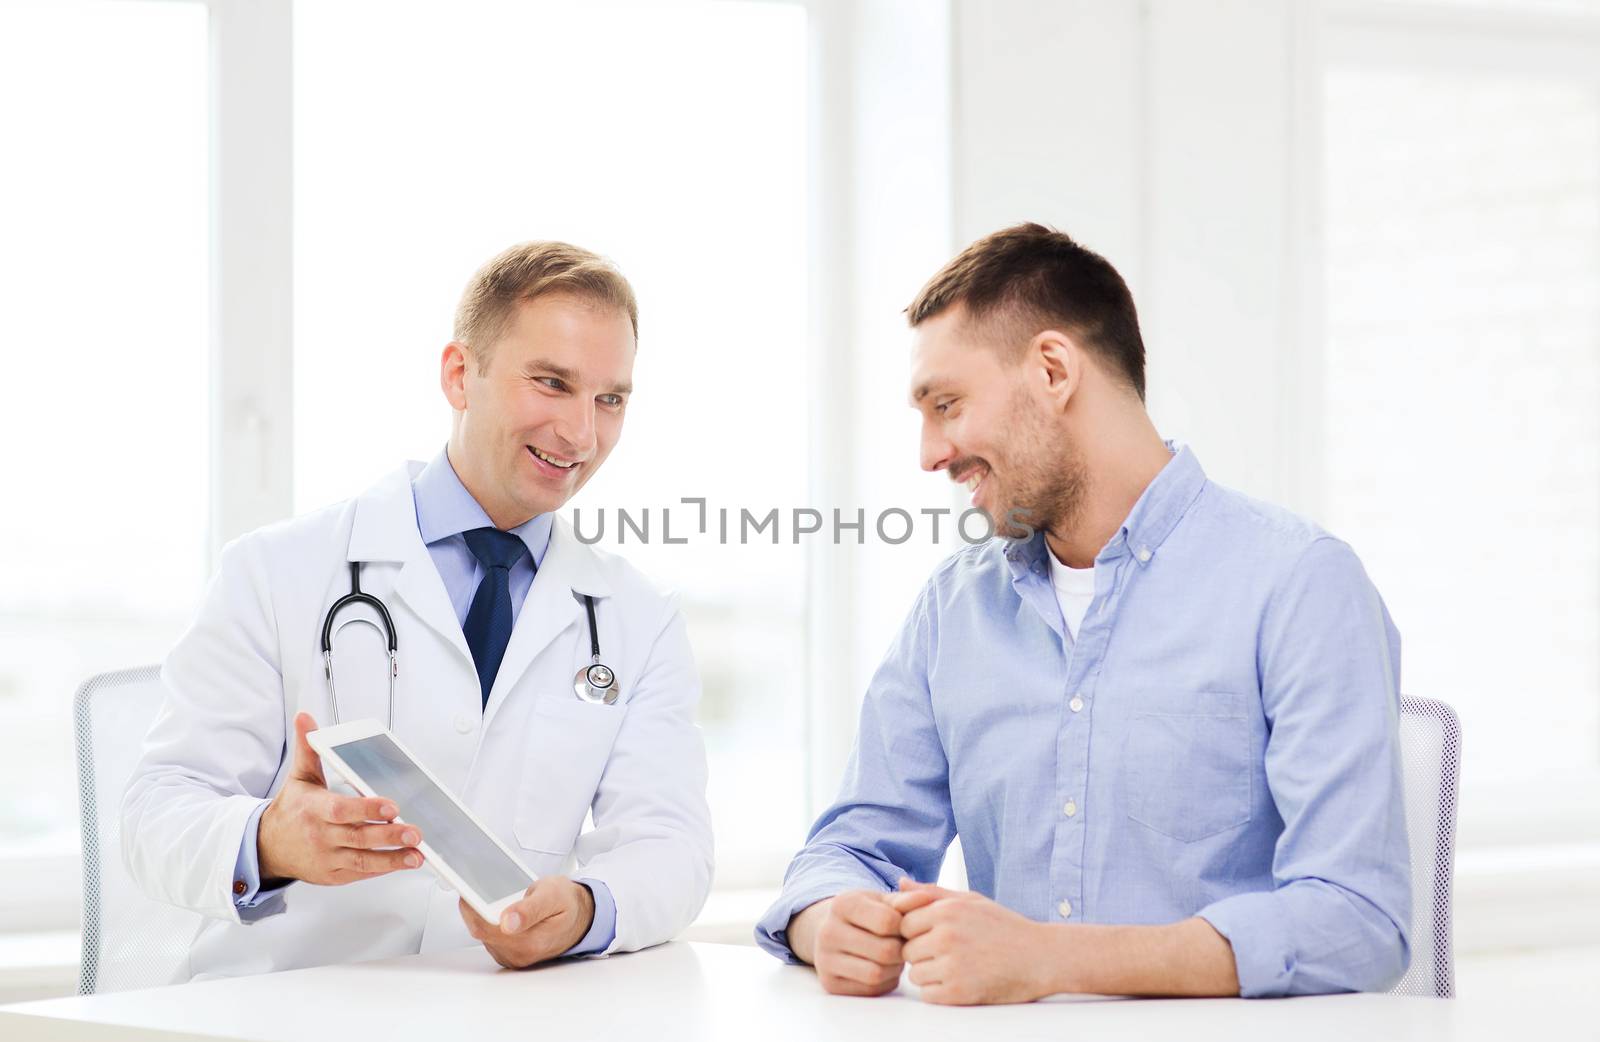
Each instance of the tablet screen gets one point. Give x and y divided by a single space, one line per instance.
471 854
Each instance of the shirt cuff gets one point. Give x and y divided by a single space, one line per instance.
247 892
1263 951
772 930
604 928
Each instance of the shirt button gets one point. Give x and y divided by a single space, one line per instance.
1076 705
1143 555
1065 908
1070 809
464 723
239 888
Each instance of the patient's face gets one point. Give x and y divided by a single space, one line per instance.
548 410
987 428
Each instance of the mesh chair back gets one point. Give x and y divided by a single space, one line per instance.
1430 751
129 941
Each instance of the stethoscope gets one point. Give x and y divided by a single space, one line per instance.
595 683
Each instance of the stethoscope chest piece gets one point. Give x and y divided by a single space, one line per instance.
596 683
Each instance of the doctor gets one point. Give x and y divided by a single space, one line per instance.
228 812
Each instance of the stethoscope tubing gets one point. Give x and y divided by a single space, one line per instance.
595 682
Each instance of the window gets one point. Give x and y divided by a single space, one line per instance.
428 139
1462 380
103 199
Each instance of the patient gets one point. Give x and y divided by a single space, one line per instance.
1161 715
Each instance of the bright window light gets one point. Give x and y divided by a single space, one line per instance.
1462 389
669 137
103 202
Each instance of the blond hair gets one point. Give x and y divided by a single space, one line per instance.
530 270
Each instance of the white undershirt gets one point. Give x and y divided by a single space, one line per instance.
1074 591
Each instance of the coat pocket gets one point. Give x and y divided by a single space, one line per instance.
565 758
1190 771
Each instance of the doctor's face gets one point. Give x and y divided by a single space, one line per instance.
534 427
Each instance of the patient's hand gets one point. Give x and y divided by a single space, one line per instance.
964 949
853 940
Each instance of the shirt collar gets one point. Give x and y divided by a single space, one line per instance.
445 508
1162 505
1153 517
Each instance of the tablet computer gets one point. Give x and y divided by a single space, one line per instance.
455 844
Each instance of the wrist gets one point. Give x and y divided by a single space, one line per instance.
801 933
585 911
267 867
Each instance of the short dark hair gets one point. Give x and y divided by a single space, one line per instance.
1033 278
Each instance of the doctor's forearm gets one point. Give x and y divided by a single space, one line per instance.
1188 958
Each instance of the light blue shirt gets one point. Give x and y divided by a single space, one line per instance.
1221 740
446 510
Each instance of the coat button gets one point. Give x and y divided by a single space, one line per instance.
464 722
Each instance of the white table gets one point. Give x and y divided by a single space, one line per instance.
712 991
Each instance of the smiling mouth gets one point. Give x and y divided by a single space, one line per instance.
972 478
555 461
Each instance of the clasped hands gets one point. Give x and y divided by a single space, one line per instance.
962 947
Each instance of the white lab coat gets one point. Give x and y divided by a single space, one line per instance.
531 764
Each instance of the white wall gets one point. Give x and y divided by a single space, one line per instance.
1163 136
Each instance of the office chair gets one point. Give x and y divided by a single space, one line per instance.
129 941
1430 752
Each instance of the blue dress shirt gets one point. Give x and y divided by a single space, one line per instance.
1221 740
446 510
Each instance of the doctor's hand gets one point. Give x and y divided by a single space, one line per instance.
853 940
964 949
551 917
311 834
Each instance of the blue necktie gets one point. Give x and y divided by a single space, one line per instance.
488 624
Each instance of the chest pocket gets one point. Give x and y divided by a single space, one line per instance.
1189 765
564 757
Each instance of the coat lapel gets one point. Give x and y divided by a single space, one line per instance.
554 603
385 529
